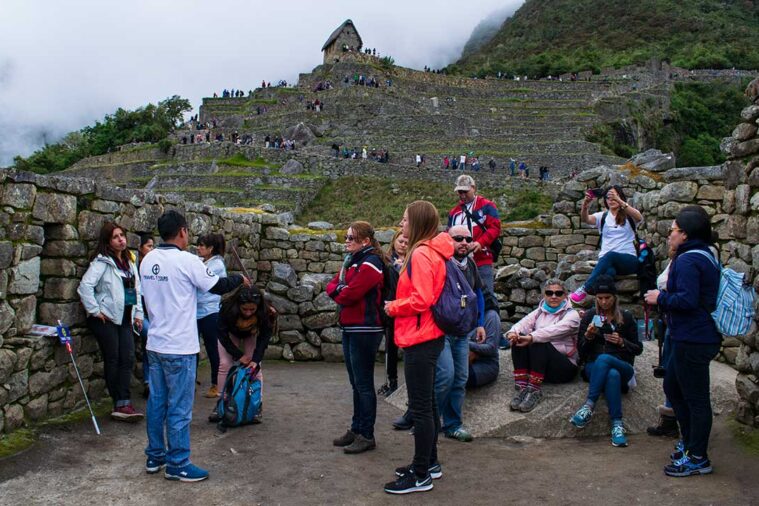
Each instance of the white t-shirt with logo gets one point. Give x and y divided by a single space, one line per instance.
618 238
170 280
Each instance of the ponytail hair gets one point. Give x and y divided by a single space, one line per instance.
364 230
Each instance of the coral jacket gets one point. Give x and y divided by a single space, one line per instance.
412 308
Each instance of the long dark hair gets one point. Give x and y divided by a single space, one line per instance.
104 242
214 241
696 224
230 308
620 218
423 222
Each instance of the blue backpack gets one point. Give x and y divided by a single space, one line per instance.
455 311
735 300
240 398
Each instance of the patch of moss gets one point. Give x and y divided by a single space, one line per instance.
746 437
16 442
521 224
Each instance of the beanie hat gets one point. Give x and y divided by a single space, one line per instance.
605 284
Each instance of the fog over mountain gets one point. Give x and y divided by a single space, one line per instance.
64 65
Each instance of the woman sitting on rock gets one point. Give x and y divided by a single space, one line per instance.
543 346
246 323
618 255
608 343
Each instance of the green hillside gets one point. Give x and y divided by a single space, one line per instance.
549 37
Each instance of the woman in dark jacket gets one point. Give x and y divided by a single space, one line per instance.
690 298
246 323
397 252
608 343
357 289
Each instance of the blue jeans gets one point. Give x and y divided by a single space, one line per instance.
360 351
486 276
686 384
609 374
613 264
451 374
172 389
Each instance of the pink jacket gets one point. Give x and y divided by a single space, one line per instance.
560 328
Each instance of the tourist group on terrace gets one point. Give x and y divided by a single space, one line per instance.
430 294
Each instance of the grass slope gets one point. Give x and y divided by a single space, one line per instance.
381 201
549 37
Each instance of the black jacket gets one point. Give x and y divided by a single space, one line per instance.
590 349
262 340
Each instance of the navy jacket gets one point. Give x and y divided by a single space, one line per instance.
691 296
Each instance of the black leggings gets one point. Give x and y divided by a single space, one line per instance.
419 362
117 347
391 355
544 361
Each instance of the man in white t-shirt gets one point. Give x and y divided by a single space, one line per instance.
171 278
618 255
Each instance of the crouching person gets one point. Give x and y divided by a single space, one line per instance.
608 343
483 356
544 346
245 329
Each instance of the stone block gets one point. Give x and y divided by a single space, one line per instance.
332 352
291 337
745 148
146 220
287 353
14 417
282 305
19 195
289 322
558 241
531 241
18 385
711 192
331 335
736 226
680 191
7 316
58 267
6 254
301 293
313 338
7 364
324 302
320 320
26 313
742 199
744 131
284 274
306 351
67 249
538 254
61 289
70 312
277 233
55 208
105 206
25 277
750 113
747 388
561 221
273 352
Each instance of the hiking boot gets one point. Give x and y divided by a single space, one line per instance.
126 414
618 434
582 417
388 388
435 470
360 444
153 465
188 473
214 416
460 434
213 392
409 483
345 439
403 422
688 466
667 427
517 399
531 399
579 296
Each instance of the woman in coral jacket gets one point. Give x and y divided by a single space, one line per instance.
420 338
357 289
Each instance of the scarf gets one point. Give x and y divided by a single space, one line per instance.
553 310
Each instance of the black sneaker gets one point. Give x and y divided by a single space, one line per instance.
388 388
409 483
435 470
214 416
345 439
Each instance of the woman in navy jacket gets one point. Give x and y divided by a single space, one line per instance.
688 302
357 289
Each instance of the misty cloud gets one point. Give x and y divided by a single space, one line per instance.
64 65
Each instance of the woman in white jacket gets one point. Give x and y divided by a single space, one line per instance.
111 295
544 346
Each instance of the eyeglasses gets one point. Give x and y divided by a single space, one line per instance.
459 238
556 293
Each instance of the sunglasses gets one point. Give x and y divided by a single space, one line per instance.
350 238
459 238
552 293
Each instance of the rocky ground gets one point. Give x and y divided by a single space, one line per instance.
289 459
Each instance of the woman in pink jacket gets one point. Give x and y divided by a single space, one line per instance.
544 346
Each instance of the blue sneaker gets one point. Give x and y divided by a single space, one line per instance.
679 452
504 343
618 434
153 465
188 473
582 417
688 466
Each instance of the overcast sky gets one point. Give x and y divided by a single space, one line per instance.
66 63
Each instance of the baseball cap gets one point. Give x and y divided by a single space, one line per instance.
464 183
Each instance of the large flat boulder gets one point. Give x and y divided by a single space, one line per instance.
487 414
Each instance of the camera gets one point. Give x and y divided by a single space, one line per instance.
659 371
595 192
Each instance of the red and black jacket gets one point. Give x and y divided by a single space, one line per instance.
359 295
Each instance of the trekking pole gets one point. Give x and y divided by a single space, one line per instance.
64 335
646 309
239 262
